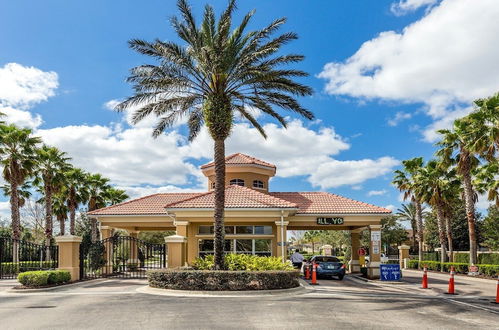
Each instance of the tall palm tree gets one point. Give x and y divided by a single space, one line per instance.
405 181
455 150
437 186
483 139
408 213
77 193
215 75
24 192
60 209
51 163
17 155
97 188
114 196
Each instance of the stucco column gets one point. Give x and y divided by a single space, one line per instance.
105 233
403 254
177 256
282 250
354 265
134 250
69 255
181 227
374 252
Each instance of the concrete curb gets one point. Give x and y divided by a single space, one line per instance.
218 294
53 288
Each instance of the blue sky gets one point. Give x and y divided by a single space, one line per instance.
386 73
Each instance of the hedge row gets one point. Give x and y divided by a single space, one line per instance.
211 280
22 266
483 258
462 268
40 278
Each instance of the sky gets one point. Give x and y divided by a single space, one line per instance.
386 75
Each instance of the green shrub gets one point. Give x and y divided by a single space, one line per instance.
23 266
237 262
211 280
461 268
43 277
488 258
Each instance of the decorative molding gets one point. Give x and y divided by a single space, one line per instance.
68 238
279 223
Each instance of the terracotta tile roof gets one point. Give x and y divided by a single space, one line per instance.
241 159
152 204
235 197
327 203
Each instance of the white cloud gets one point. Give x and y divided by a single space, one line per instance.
403 7
5 210
21 118
111 104
376 192
399 117
444 61
430 133
391 207
23 87
335 173
356 187
136 192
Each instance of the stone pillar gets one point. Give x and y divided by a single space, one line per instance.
403 254
374 252
354 265
181 227
327 250
177 247
69 255
282 250
133 261
105 233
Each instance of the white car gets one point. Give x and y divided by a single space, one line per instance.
383 258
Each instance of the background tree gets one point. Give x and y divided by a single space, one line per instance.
60 210
313 237
491 229
97 192
407 212
17 154
77 192
216 74
392 232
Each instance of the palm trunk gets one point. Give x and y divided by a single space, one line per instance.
219 157
16 222
470 205
72 213
62 224
448 226
441 233
419 223
48 215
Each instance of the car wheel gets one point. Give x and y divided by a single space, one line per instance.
340 277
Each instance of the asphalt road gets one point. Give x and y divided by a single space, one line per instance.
115 304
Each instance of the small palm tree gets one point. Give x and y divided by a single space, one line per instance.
214 76
60 209
408 213
115 196
76 193
97 186
51 163
405 181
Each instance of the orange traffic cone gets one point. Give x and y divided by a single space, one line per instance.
307 272
425 278
451 281
497 293
314 274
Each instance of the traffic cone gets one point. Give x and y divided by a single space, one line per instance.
425 278
314 274
497 293
451 281
307 272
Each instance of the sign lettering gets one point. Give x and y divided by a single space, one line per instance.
390 272
330 221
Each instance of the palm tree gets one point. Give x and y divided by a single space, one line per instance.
455 150
97 188
483 139
60 209
312 236
405 181
408 213
437 186
24 192
17 155
215 75
114 196
77 193
51 163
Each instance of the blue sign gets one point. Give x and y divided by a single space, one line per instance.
390 272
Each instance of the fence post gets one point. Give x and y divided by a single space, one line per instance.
176 250
403 254
69 255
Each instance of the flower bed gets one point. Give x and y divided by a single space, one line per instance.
222 280
43 278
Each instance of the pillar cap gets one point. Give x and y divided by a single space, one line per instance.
404 247
375 227
175 239
180 223
68 238
285 223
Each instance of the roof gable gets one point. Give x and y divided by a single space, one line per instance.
241 159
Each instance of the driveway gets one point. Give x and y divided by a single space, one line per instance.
115 304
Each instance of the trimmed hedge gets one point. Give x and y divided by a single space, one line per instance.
461 268
483 258
40 278
222 280
23 266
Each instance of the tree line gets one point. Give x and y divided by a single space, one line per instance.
32 169
465 166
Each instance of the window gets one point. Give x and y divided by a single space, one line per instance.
237 182
244 230
206 230
237 230
257 184
263 230
261 247
207 246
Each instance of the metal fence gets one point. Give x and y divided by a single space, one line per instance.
17 256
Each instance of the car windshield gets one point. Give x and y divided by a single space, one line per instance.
326 259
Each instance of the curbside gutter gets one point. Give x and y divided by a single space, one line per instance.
52 288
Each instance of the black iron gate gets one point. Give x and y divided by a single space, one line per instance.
17 256
121 256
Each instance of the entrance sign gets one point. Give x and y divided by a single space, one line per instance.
390 272
376 241
473 271
330 221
